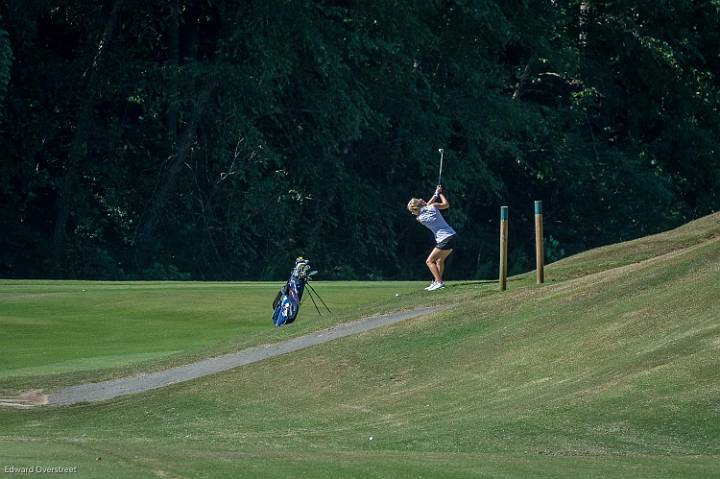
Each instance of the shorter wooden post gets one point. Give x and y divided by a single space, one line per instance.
503 247
539 244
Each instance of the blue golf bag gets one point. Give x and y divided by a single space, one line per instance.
288 299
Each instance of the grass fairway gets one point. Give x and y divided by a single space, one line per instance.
612 369
64 332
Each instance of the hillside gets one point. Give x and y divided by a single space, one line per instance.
612 369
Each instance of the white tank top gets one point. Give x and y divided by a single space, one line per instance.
431 218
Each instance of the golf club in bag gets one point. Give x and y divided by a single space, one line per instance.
287 301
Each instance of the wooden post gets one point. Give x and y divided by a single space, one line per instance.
503 247
539 244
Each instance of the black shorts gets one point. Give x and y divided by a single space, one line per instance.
447 243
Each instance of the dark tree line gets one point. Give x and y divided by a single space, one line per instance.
213 139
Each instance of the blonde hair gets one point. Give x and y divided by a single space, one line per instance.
413 205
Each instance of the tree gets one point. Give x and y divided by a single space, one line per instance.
215 140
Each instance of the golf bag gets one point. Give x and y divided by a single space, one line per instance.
287 301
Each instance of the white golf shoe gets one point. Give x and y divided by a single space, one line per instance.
427 288
436 286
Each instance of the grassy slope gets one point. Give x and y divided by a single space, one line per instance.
612 374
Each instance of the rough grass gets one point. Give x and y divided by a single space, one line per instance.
615 373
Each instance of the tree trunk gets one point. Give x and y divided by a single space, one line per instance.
522 81
78 149
159 200
582 21
174 61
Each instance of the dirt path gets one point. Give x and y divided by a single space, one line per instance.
105 390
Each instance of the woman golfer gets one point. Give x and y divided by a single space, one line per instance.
428 214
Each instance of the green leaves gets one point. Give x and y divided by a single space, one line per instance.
233 138
6 59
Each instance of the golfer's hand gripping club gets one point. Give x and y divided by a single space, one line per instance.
436 195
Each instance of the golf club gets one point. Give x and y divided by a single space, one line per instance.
441 162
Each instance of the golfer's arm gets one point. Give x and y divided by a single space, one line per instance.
434 200
443 204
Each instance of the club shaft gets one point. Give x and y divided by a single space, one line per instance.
441 163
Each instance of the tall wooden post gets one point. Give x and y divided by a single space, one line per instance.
503 247
539 244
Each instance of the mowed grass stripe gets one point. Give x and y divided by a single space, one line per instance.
115 459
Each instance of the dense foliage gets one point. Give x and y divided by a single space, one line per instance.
215 139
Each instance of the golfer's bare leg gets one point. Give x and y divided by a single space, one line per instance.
432 266
432 263
440 262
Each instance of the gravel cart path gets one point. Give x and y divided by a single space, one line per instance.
105 390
